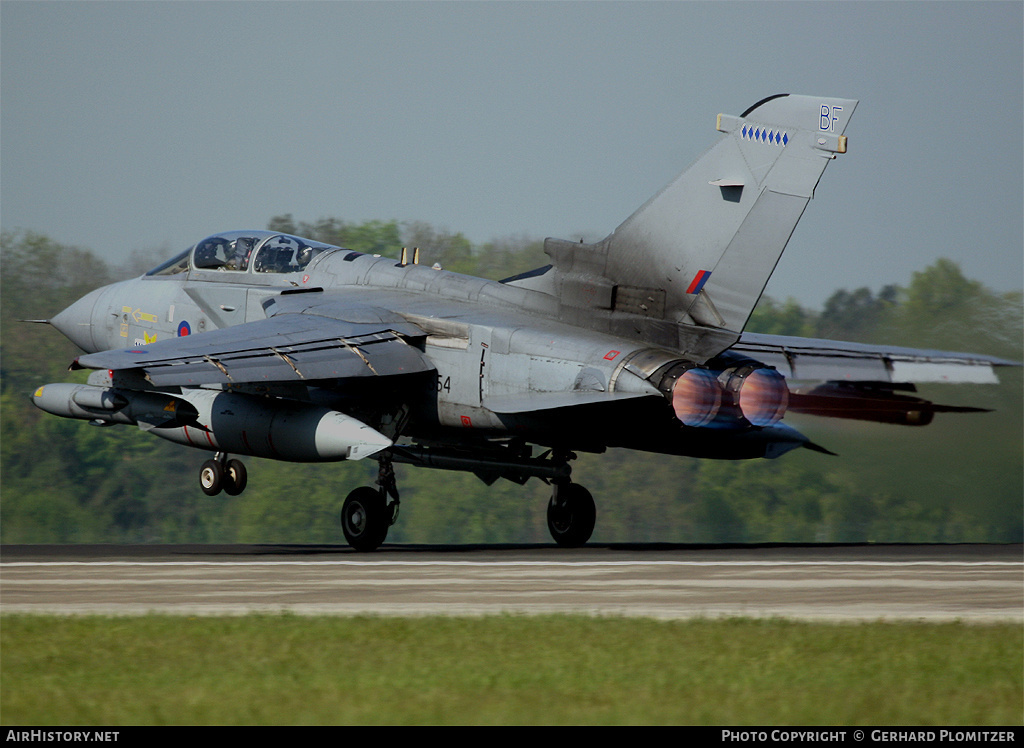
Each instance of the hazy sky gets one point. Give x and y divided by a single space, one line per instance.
141 125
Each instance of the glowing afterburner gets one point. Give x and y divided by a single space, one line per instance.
763 397
696 397
737 396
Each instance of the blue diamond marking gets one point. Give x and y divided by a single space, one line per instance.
785 139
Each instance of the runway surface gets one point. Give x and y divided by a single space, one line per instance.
972 583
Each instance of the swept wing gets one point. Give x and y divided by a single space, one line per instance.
288 347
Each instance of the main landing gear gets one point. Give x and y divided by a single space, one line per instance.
366 514
222 474
571 515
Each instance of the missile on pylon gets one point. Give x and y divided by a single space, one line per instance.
108 406
222 421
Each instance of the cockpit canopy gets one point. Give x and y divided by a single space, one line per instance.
246 251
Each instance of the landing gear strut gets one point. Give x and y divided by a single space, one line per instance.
222 474
366 514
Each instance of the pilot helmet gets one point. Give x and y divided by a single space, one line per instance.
206 254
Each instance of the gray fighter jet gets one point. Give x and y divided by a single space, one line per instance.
263 344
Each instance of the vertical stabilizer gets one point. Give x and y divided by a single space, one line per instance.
703 249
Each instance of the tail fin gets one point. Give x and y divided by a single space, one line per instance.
702 250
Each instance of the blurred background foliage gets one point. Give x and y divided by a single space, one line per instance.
958 480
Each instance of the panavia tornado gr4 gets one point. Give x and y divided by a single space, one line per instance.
263 344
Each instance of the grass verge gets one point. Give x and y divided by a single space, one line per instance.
290 670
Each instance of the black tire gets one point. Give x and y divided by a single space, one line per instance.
572 517
364 519
211 477
235 477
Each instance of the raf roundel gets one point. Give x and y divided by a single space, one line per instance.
184 329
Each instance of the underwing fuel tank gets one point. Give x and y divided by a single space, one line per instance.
221 421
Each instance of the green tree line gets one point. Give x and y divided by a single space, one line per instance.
958 480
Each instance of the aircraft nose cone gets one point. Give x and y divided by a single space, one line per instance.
76 322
